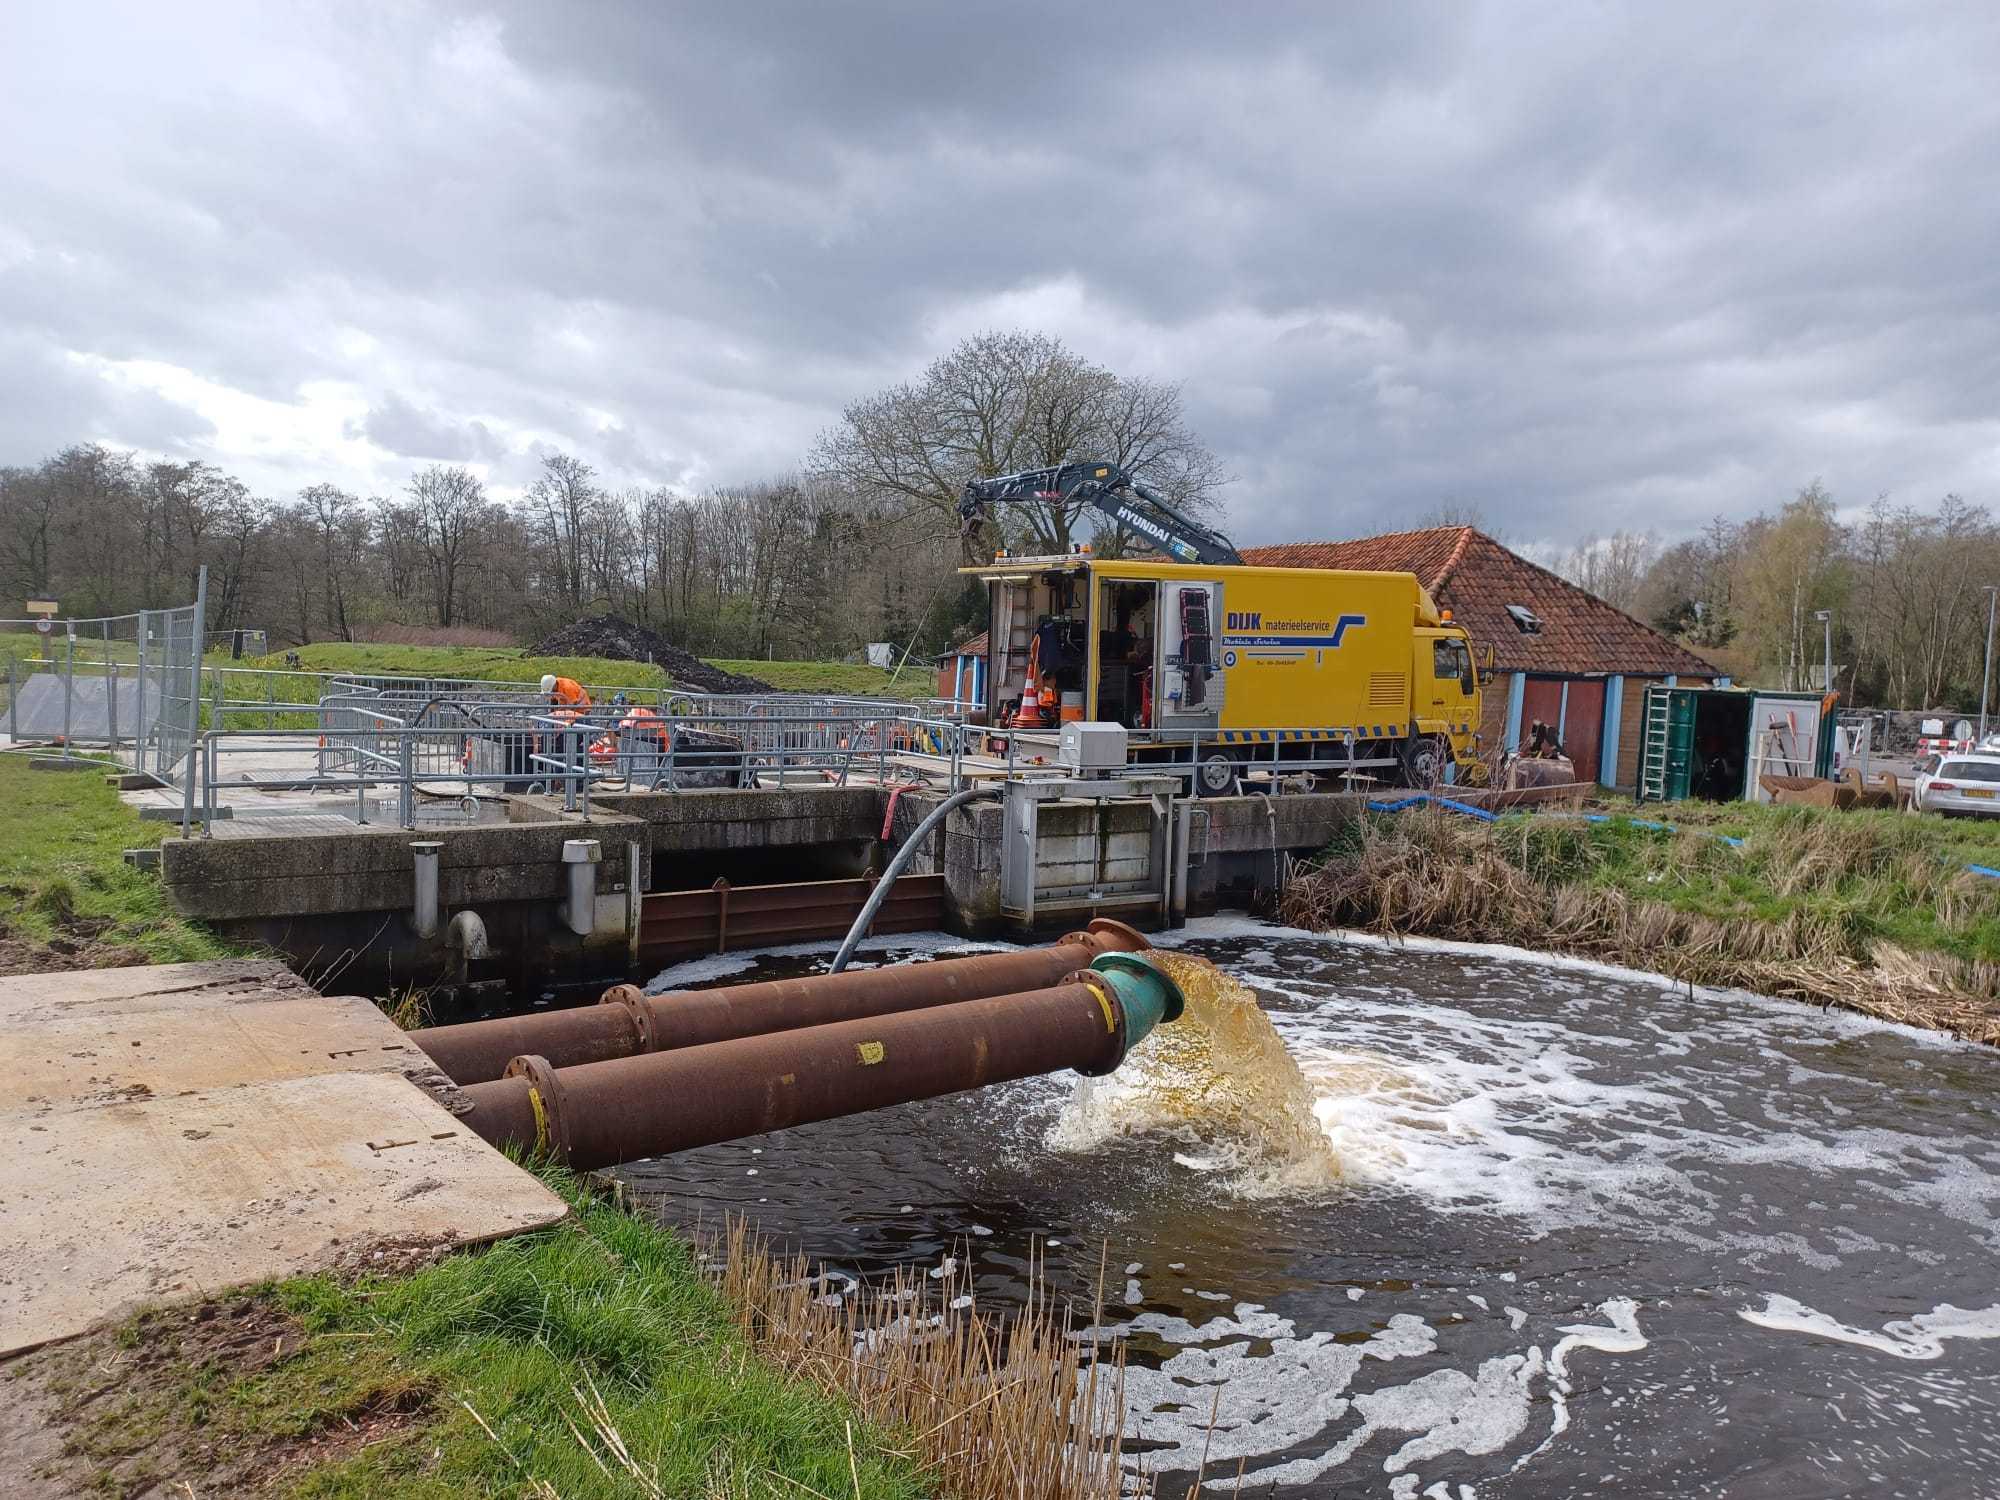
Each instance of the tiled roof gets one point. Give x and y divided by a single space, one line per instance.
974 647
1476 578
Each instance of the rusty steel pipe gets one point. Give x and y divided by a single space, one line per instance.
629 1021
629 1108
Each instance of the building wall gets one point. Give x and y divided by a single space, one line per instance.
1632 731
1493 716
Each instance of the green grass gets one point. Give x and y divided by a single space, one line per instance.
1871 876
62 868
476 663
521 1338
918 679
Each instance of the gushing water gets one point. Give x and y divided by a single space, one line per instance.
1520 1228
1220 1083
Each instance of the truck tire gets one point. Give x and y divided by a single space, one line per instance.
1424 760
1215 775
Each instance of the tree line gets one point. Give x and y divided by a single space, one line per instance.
859 544
779 568
1905 585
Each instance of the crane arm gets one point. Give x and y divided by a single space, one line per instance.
1128 501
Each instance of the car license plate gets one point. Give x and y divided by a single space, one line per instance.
1975 792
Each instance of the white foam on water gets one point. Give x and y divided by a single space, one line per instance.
1277 1388
699 971
1520 1114
1621 1336
1836 1022
1922 1337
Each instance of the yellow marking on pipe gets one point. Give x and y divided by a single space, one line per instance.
541 1120
1096 987
870 1053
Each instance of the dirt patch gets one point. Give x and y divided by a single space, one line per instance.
621 640
77 943
189 1400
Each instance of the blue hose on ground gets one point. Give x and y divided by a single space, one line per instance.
903 856
1484 815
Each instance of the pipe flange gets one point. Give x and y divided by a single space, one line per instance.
545 1096
637 1007
1129 939
1114 1017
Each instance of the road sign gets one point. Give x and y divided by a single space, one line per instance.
43 606
43 626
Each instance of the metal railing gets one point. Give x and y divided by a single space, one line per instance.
430 748
128 683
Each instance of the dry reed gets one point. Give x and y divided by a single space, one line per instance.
1528 883
1019 1406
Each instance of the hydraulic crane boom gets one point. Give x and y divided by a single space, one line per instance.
1129 503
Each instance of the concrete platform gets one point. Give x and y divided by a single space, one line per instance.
187 1127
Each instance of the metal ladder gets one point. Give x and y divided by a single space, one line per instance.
1653 748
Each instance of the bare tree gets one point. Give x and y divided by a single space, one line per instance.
559 506
1612 567
339 531
1002 402
451 509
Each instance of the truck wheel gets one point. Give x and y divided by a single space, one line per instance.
1424 760
1215 776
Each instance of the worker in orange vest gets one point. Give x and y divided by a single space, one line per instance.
642 736
565 692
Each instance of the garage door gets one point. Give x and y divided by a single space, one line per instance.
1575 707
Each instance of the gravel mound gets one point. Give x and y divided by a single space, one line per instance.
621 640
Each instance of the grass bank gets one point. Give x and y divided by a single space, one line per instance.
68 900
599 1358
486 664
917 680
1873 911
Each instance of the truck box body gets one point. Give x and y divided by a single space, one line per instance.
1235 656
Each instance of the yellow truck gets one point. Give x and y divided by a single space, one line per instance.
1230 662
1207 659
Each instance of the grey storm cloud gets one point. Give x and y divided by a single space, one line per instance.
1582 268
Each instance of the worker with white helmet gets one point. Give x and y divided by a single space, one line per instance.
565 692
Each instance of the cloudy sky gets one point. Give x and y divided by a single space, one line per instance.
1580 267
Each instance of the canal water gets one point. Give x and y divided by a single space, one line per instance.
1451 1222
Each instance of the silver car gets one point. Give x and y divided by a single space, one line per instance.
1959 784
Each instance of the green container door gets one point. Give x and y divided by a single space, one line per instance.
1666 753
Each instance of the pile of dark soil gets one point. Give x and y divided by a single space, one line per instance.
621 640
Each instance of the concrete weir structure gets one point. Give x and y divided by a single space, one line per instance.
549 897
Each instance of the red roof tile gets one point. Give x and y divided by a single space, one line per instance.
1476 578
974 647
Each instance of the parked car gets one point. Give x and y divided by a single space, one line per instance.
1959 784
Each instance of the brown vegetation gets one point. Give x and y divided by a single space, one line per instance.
1807 931
994 1407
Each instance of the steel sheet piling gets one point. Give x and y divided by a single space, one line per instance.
629 1021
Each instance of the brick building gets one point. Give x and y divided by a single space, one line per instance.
1560 654
961 672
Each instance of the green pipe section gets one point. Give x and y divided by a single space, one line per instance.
1146 994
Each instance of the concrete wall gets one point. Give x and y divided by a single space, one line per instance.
694 821
372 870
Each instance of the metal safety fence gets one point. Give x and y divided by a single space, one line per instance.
127 684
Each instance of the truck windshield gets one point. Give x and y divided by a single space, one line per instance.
1451 659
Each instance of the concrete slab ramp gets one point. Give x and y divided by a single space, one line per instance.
188 1127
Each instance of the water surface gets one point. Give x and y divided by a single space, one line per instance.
1573 1230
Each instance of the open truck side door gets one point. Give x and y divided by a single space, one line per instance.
1191 669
